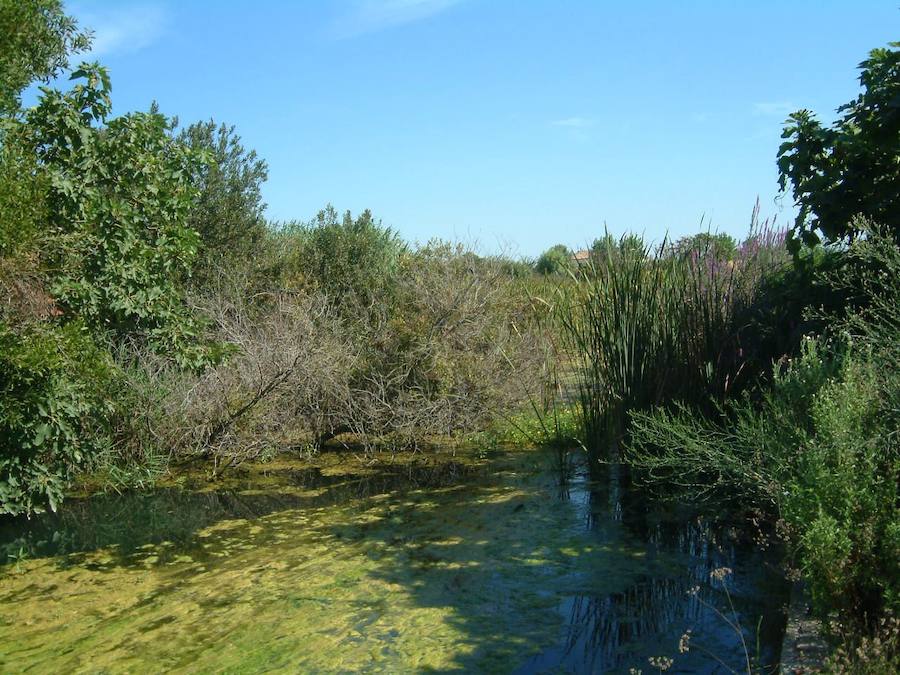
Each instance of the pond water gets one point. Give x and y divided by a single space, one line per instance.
435 563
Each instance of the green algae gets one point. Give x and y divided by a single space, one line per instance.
350 571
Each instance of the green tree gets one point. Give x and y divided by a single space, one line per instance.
607 246
719 246
119 198
852 167
554 260
228 212
354 261
36 39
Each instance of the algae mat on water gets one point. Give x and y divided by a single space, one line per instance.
431 565
460 578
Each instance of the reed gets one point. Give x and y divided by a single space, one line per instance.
647 326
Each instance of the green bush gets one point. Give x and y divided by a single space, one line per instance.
53 408
818 448
353 261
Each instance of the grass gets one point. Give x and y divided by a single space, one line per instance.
647 326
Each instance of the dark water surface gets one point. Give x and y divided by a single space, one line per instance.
435 564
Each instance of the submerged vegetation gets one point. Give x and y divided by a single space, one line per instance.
152 319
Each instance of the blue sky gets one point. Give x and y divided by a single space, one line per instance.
513 125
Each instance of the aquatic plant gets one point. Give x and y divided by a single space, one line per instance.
816 448
645 327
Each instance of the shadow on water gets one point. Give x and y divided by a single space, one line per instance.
127 522
501 566
625 583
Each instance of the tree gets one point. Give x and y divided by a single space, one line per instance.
117 209
607 247
228 212
719 246
353 261
36 39
554 260
851 168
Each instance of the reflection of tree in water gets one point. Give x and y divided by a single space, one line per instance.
621 630
128 521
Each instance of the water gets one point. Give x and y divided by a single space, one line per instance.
434 564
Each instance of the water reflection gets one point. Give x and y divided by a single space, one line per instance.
615 632
131 520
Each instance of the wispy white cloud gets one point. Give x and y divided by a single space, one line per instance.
121 28
770 108
573 122
370 16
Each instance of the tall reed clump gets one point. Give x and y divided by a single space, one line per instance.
646 326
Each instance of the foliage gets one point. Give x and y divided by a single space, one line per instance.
604 249
555 260
850 168
52 407
819 448
558 428
434 359
36 39
719 246
862 654
353 261
228 211
118 204
646 329
22 199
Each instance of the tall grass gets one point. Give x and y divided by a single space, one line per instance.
646 326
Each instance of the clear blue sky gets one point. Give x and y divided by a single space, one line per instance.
513 124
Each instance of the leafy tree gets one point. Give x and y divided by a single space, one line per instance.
354 261
118 204
36 38
554 260
852 167
228 213
607 246
719 246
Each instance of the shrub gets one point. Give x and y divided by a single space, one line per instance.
52 412
438 359
818 448
354 262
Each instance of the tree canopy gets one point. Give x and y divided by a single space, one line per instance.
36 39
554 260
851 168
228 212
